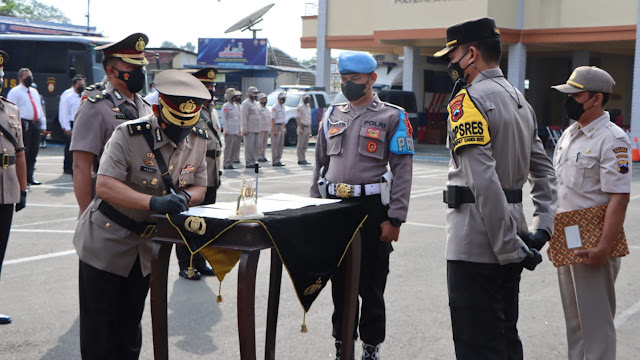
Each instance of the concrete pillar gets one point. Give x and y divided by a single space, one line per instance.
411 73
517 65
635 94
323 56
580 58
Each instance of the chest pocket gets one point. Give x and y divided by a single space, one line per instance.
372 142
586 173
334 140
15 129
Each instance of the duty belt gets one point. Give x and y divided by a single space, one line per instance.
456 195
346 191
8 160
214 153
141 228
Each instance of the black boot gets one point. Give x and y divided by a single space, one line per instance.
370 352
339 350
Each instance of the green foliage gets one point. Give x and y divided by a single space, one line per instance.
33 10
168 44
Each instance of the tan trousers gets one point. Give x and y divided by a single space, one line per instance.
303 142
264 140
230 143
277 144
235 155
251 147
589 301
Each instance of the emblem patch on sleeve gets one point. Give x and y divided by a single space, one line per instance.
468 125
623 166
402 140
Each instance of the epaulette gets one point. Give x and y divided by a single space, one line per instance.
96 86
200 132
98 97
340 104
6 100
394 106
138 127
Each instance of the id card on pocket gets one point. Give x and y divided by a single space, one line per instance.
572 234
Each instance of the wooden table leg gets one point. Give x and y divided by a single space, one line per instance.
352 282
275 280
246 304
159 271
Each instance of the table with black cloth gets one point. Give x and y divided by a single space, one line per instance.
311 242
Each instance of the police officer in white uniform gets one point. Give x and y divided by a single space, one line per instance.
279 129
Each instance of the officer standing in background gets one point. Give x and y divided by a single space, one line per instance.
34 119
250 115
593 166
13 169
113 237
279 128
364 136
101 113
303 120
494 149
231 123
265 127
67 108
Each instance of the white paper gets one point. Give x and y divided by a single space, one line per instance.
572 234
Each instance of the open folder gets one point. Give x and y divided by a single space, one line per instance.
580 230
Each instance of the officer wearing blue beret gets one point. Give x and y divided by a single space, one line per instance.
366 136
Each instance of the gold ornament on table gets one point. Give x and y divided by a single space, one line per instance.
247 207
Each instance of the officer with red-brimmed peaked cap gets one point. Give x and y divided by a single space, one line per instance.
155 164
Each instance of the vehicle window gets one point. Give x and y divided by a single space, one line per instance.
20 54
293 100
312 101
272 98
52 58
321 102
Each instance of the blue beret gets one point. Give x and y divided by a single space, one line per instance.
352 62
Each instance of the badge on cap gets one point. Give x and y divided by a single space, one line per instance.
188 107
140 44
211 74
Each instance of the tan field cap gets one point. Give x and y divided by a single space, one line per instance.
587 78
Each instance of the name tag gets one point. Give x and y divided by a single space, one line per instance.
148 169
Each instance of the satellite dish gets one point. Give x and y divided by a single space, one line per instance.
249 21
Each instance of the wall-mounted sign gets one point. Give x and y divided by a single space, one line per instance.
232 51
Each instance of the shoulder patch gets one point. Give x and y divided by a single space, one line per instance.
138 127
200 132
394 106
402 140
468 125
97 97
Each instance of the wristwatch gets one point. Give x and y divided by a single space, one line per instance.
395 222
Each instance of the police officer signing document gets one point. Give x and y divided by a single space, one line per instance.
155 164
494 149
356 142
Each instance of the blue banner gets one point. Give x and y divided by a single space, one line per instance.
248 52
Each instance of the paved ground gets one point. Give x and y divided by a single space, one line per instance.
39 282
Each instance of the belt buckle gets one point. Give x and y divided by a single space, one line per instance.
148 231
217 153
5 161
343 190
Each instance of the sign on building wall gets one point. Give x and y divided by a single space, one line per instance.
232 51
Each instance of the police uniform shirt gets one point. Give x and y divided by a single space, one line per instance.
277 113
494 146
10 121
265 118
231 118
357 148
304 113
250 116
213 165
591 163
97 117
102 243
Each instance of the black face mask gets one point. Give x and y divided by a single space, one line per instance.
174 132
134 79
263 103
28 81
236 99
212 94
573 109
456 71
306 101
353 91
281 100
253 97
80 89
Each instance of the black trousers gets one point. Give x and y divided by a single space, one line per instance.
31 137
111 308
483 300
6 215
374 268
67 165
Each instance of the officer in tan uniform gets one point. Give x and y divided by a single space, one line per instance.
101 113
494 150
592 159
13 169
250 115
279 129
155 164
356 143
265 127
231 123
303 120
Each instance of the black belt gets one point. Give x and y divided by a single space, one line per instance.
141 228
214 153
456 195
303 125
8 160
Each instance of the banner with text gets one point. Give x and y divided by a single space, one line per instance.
232 51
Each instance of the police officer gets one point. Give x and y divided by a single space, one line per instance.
364 136
265 127
494 149
155 164
101 113
250 115
13 169
303 120
279 129
231 123
593 166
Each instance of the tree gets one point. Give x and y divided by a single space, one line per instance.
168 44
33 10
188 47
309 62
